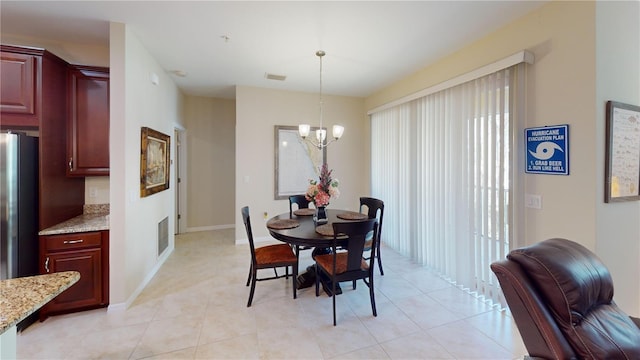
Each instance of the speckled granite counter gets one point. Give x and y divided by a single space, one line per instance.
21 297
95 218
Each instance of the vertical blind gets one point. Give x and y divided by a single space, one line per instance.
443 164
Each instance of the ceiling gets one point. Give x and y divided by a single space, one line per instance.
221 44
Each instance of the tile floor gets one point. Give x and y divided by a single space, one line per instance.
195 308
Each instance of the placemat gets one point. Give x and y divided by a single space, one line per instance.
304 212
325 230
352 215
281 224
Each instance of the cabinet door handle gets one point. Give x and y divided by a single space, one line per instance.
73 241
70 164
46 264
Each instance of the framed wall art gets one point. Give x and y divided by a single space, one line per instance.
622 158
296 162
154 161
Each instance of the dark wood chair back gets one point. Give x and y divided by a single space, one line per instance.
299 200
247 226
375 210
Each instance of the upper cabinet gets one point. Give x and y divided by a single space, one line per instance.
32 84
88 123
18 82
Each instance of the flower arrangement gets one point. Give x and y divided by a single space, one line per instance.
320 192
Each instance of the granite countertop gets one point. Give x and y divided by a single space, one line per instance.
21 297
94 218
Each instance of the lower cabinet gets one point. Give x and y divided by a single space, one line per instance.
86 253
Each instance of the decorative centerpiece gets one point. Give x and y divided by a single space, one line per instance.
320 192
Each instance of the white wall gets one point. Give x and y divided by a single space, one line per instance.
257 112
617 79
136 102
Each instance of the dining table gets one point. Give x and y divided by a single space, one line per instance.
301 230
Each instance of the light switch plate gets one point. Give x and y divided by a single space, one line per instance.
533 201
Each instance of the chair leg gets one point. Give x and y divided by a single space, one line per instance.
379 259
354 284
294 281
333 297
317 280
250 272
253 286
372 296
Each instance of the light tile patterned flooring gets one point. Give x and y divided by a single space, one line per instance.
195 308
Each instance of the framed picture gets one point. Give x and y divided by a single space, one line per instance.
622 168
296 162
154 162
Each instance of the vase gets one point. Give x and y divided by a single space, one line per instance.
320 217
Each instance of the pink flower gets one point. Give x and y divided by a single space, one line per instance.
322 198
320 192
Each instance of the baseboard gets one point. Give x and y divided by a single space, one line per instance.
245 241
209 228
125 305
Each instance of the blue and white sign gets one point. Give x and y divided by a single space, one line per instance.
547 150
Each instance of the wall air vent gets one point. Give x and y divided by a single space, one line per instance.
163 235
275 77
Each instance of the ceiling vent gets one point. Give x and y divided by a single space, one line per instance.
275 77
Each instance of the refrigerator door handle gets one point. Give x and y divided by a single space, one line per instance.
46 264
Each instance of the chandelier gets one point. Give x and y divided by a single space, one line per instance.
321 134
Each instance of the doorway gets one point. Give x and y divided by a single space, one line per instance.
180 180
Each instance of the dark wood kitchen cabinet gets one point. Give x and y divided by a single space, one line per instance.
33 88
87 253
34 97
88 124
18 88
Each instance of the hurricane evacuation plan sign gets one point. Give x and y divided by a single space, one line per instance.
547 150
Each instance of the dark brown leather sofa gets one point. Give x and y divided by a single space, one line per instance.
561 298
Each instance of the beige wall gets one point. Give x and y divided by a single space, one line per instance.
561 89
257 112
73 53
210 141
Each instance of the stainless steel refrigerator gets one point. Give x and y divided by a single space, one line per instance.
19 207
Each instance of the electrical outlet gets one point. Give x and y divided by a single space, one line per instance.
93 192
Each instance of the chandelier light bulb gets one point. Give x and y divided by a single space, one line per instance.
321 134
338 130
304 129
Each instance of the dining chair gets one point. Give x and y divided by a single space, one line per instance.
375 210
300 200
268 257
302 203
348 264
